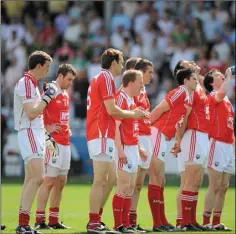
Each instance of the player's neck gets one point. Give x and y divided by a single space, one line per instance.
34 75
127 91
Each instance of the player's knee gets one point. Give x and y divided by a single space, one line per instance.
49 182
62 182
38 180
100 181
138 187
223 188
125 189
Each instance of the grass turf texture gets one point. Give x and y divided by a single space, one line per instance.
74 208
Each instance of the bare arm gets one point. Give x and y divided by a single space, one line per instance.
159 110
33 110
118 144
220 94
115 111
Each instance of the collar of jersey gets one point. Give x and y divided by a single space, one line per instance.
105 70
28 75
128 97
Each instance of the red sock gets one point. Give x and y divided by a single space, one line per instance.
154 203
100 213
216 217
117 207
125 213
178 221
206 217
133 217
53 215
24 217
186 202
94 221
40 217
162 208
194 209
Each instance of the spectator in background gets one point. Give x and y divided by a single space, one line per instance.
94 21
222 48
215 62
117 38
61 21
65 51
166 24
79 61
120 19
48 34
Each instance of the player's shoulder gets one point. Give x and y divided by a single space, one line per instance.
180 91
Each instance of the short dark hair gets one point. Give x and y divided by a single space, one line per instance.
109 56
131 62
129 76
142 65
208 80
38 57
183 74
66 68
178 67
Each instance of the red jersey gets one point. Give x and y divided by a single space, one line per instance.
222 119
57 111
199 118
129 128
142 102
99 123
178 100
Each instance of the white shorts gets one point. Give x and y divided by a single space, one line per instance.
146 143
51 171
221 156
159 143
132 154
31 142
60 161
194 148
101 149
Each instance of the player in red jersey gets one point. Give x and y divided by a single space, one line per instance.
112 178
146 67
193 137
166 118
128 151
56 121
100 129
222 146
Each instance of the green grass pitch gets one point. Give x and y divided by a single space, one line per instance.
74 208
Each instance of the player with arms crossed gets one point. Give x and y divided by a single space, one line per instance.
56 121
146 67
100 129
128 151
112 177
222 145
28 117
166 118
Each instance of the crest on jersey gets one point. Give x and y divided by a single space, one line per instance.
129 165
217 164
110 149
198 156
163 154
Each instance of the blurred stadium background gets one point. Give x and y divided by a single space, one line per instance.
78 31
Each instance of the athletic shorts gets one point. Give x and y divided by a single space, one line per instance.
101 149
194 149
146 143
132 154
60 162
31 142
159 143
221 156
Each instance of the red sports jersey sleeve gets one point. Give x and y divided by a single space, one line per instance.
129 128
222 119
57 112
178 100
142 102
199 118
99 123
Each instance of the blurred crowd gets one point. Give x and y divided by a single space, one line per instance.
74 32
